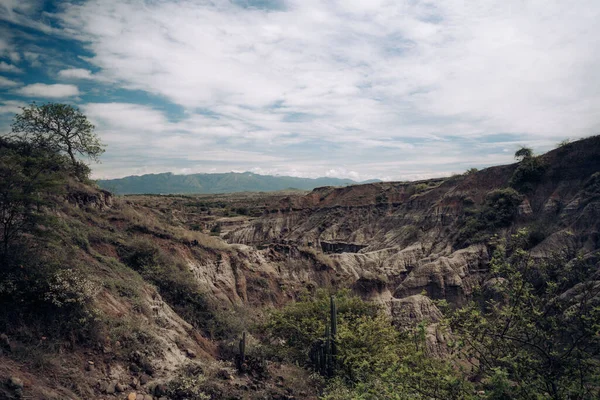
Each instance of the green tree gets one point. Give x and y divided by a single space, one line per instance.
523 153
540 329
61 127
29 177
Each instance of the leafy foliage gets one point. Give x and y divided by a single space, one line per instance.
30 177
528 173
540 330
302 323
523 153
41 285
498 211
375 361
60 127
188 384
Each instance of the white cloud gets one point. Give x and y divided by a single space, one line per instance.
76 73
7 83
32 58
5 67
405 89
11 106
43 90
398 68
14 56
25 12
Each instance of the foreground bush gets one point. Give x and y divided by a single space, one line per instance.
375 361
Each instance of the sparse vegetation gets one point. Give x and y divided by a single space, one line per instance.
498 211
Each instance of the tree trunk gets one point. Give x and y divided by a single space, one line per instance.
70 151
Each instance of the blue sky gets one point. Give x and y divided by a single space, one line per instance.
389 89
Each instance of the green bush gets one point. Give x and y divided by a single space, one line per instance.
47 295
539 338
499 211
188 384
301 323
374 360
528 174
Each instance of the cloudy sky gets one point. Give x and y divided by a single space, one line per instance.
391 89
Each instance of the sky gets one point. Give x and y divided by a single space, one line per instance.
388 89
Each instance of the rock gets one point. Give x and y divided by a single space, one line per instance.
573 206
552 205
102 386
120 388
89 367
160 389
148 397
139 397
524 208
190 353
135 383
144 379
15 383
163 398
223 374
132 396
410 311
111 388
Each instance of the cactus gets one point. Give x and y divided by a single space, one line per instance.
333 319
242 356
323 353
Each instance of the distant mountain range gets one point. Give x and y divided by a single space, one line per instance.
231 182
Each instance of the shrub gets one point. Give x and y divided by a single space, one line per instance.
542 337
529 172
188 384
68 288
300 324
374 360
421 187
215 230
523 153
498 211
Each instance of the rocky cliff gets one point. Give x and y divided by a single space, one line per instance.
397 239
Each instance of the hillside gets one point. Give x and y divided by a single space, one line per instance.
168 183
105 296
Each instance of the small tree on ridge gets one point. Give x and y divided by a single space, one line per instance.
59 126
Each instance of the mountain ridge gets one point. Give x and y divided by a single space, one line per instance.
213 183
